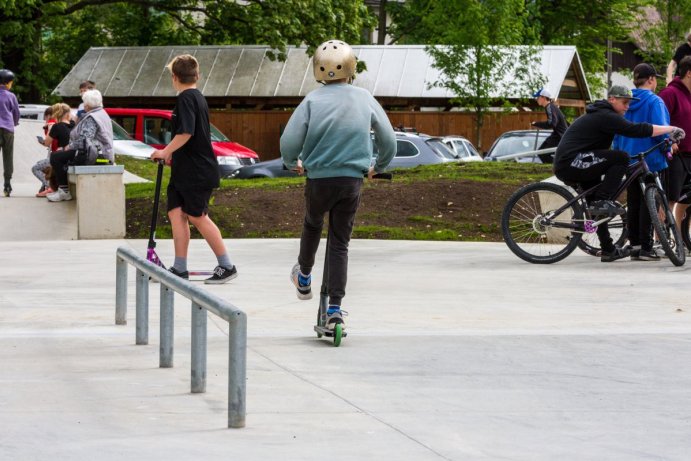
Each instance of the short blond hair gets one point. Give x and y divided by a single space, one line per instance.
59 110
185 67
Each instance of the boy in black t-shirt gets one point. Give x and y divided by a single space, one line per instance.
194 172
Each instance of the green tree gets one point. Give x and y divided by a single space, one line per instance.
587 25
475 49
662 38
42 39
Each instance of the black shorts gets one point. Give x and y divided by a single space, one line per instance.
194 202
677 176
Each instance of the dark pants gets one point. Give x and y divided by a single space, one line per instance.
58 162
640 227
7 147
551 141
587 169
339 197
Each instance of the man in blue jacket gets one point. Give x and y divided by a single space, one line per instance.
329 136
651 109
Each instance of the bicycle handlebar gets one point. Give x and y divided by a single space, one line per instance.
667 142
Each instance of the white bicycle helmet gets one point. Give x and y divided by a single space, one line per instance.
334 60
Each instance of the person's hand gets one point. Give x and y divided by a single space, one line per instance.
370 173
160 155
677 135
299 169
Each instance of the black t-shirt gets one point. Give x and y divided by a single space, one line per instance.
683 51
194 165
60 132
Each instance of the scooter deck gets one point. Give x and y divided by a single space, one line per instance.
327 332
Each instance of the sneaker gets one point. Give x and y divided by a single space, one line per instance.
45 192
635 252
59 196
617 253
7 190
647 255
183 275
605 208
303 284
334 315
222 275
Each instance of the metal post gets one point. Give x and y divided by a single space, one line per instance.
120 291
167 321
237 369
198 365
142 296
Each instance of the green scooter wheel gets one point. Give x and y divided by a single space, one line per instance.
338 334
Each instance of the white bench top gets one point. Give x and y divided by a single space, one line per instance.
96 169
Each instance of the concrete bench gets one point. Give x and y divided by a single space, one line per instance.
100 195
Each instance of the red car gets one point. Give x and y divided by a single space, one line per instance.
153 127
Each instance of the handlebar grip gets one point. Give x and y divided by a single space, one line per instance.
387 176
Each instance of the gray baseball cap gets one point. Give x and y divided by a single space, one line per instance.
618 91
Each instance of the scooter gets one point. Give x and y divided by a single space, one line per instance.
151 255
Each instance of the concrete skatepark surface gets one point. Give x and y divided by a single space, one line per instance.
456 351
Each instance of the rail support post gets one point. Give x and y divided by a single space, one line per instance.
142 308
198 359
120 291
167 324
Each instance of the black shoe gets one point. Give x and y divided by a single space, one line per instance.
183 275
648 255
7 190
605 208
222 275
617 253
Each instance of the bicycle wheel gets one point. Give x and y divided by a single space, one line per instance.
665 226
530 229
618 229
686 232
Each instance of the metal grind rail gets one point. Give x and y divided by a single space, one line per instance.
202 301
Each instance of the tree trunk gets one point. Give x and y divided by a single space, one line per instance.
479 122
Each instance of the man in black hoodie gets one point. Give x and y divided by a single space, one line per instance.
584 154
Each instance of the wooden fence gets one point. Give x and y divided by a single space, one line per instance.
261 130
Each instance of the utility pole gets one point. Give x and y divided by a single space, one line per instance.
381 36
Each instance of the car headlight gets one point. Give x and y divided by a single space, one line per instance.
228 160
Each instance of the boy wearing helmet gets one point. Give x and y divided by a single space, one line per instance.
328 137
9 118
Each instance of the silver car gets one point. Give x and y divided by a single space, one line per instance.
518 142
464 149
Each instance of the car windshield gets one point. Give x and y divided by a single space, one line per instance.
516 144
119 133
217 136
441 149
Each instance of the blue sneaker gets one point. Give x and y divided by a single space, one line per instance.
334 315
303 284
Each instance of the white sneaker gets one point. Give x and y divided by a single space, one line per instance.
59 196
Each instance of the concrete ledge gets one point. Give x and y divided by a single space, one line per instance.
100 195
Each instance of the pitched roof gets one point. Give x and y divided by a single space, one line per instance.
393 71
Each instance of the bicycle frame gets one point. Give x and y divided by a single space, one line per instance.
636 171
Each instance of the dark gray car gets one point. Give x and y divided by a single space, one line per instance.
411 150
